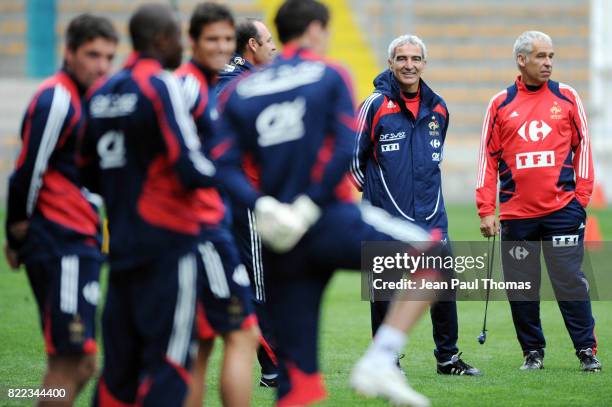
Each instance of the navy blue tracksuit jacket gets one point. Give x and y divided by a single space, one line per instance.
396 160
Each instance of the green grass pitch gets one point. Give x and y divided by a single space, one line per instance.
345 335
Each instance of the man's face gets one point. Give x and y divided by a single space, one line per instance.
215 45
536 67
91 60
171 48
407 66
264 52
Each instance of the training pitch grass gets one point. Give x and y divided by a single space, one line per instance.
345 335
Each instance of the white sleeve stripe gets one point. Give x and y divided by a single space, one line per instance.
361 118
190 89
482 161
584 159
187 126
58 112
183 120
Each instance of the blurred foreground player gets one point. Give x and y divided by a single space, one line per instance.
295 120
224 294
142 154
51 226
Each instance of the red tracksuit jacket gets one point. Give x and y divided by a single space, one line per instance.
538 143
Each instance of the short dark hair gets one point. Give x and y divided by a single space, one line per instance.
294 17
149 21
245 30
87 27
207 13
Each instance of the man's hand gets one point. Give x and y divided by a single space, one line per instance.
11 257
489 225
19 230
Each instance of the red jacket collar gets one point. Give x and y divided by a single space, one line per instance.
523 88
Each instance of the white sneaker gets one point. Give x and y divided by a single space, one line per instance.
372 379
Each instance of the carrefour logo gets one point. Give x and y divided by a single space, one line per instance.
518 252
534 130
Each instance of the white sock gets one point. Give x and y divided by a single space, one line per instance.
387 344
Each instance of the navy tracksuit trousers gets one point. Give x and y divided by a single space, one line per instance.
560 236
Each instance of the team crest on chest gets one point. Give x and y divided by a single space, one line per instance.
555 111
433 127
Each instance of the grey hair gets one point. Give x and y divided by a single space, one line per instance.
524 43
407 39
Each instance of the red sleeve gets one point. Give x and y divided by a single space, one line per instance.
490 149
581 145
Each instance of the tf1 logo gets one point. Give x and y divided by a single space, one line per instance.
535 159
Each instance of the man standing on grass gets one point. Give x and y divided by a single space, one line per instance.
399 147
254 48
142 153
225 307
294 120
535 138
52 223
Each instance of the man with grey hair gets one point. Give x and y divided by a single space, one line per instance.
535 139
400 139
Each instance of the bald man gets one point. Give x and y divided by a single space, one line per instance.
255 47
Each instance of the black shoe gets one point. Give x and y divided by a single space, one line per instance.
534 360
456 366
271 383
588 361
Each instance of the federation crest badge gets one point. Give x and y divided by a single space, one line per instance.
555 111
433 127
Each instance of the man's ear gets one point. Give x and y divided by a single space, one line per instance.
253 44
390 62
314 28
521 60
68 54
